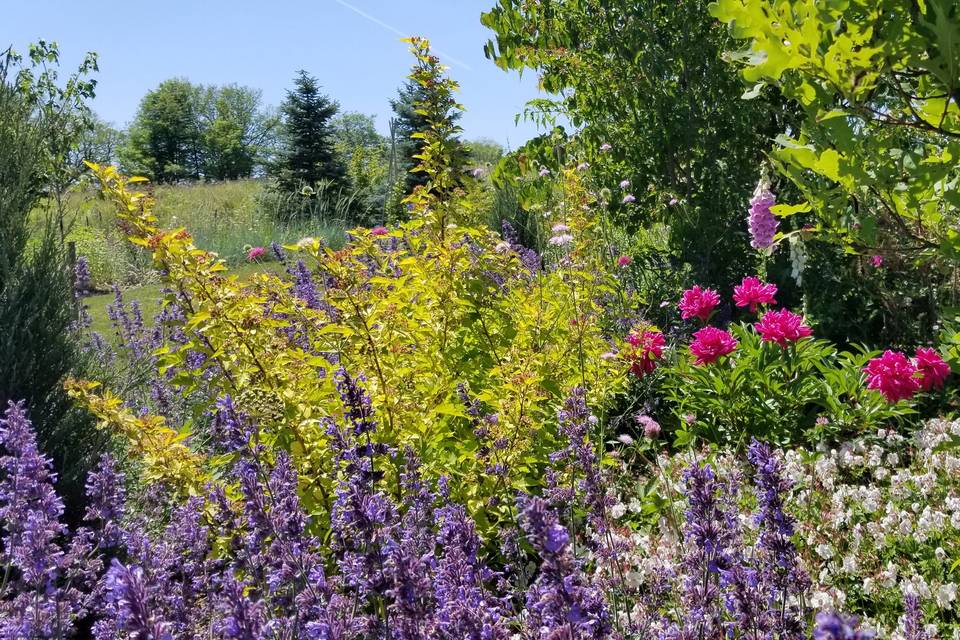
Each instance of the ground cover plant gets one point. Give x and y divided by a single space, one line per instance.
497 411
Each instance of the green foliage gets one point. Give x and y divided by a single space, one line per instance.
307 152
806 392
37 347
878 82
441 155
236 133
646 77
365 151
164 142
188 131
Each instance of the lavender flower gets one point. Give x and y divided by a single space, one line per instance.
130 596
834 626
559 603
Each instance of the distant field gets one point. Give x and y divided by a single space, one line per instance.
149 297
225 217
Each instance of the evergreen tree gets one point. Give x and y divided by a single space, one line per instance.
308 155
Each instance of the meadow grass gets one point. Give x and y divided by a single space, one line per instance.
226 217
149 297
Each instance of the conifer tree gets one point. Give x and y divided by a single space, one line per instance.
308 154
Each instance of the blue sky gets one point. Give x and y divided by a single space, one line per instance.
358 58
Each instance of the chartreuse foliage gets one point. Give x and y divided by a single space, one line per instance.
879 81
419 310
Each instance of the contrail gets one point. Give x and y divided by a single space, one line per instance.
392 29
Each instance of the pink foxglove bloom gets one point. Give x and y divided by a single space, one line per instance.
255 253
753 292
379 231
933 370
782 327
763 224
698 303
710 343
624 261
893 375
646 348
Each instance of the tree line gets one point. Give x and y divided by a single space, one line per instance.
184 131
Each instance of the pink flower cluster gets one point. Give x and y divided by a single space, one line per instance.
710 343
782 327
753 292
255 253
898 377
763 224
698 303
646 348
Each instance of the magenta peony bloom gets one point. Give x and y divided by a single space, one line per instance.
763 224
698 303
255 253
379 231
710 343
753 292
624 261
893 375
646 348
782 327
933 370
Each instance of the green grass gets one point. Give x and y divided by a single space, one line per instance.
149 296
226 218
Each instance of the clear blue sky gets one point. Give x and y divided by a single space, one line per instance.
262 43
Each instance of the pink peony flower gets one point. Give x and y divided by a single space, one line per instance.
782 327
647 347
763 224
933 370
877 261
753 292
379 231
254 253
893 375
624 261
698 303
710 343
